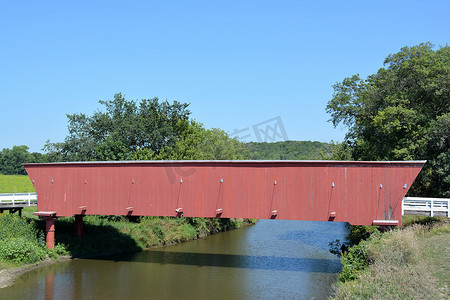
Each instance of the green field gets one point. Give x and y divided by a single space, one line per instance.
16 184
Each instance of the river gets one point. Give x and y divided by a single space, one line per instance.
273 259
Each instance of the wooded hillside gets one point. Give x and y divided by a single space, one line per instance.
289 150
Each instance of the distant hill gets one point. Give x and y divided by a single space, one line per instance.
289 150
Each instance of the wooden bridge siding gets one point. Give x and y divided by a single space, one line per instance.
303 191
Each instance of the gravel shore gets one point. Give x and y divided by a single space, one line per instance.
9 275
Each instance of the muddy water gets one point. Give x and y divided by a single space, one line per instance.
274 259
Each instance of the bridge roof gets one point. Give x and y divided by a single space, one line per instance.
226 162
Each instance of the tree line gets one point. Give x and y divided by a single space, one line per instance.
11 160
203 144
289 150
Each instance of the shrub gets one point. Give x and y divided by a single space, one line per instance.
21 250
20 241
13 226
159 232
357 233
353 262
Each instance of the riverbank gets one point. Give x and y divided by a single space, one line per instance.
22 247
9 274
408 263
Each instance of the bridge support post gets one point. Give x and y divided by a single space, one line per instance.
49 217
79 225
50 231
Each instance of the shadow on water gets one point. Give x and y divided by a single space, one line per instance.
231 261
97 239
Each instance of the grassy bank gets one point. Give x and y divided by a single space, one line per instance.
16 184
408 263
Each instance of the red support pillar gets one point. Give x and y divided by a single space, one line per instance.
50 217
50 232
79 225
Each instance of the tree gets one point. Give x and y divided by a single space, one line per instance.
124 127
148 130
12 160
198 143
401 113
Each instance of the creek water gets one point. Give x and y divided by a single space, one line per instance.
273 259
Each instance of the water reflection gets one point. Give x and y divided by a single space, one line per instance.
49 279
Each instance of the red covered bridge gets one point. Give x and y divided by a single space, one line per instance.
361 193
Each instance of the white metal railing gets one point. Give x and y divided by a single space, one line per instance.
22 199
431 205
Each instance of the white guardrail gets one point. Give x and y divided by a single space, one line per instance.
431 205
22 199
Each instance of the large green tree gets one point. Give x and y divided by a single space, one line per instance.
148 130
401 113
121 129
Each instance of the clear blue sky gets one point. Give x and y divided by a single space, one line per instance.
237 62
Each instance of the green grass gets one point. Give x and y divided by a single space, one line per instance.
435 245
409 263
27 212
16 184
408 220
7 264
